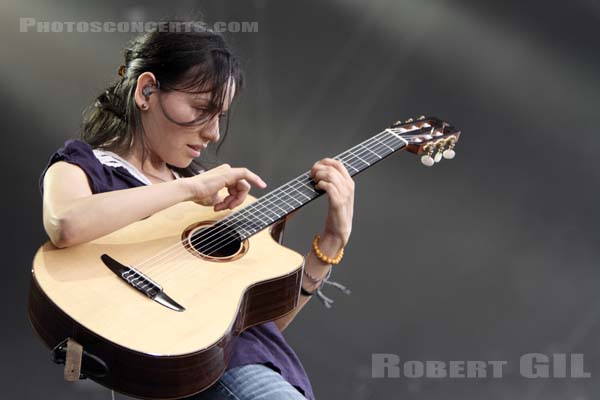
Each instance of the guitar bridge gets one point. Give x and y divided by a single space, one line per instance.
141 282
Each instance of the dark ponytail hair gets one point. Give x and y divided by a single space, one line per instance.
194 60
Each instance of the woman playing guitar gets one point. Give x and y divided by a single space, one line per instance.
137 156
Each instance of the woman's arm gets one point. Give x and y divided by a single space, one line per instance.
73 215
318 269
330 175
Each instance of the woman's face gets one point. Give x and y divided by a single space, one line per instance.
175 144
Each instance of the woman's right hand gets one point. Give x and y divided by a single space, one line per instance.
204 188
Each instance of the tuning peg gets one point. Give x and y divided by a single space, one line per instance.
449 153
421 117
408 120
426 159
438 156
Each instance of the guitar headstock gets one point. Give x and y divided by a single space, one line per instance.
429 137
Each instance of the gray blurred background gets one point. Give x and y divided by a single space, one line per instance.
486 257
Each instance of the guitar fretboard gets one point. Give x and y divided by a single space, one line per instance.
301 190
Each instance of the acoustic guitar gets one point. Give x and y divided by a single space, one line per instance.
157 305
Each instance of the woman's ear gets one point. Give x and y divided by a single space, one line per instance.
146 85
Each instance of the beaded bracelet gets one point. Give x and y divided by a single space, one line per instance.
323 257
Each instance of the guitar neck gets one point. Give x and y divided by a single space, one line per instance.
301 190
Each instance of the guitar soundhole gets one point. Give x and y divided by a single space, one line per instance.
214 242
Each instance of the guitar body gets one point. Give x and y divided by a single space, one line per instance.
152 351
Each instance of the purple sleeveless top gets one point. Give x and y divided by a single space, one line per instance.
260 344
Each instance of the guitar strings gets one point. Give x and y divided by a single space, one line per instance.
269 199
362 152
305 175
241 214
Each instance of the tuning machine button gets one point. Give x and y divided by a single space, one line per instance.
449 153
427 159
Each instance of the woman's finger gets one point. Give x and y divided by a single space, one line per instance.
338 165
243 186
317 166
332 192
239 174
330 175
216 198
238 198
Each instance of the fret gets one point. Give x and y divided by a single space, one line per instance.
266 210
309 188
382 149
346 164
360 159
286 194
377 139
396 135
372 160
241 226
352 164
363 155
273 202
274 208
377 155
345 157
284 203
298 191
399 143
244 231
